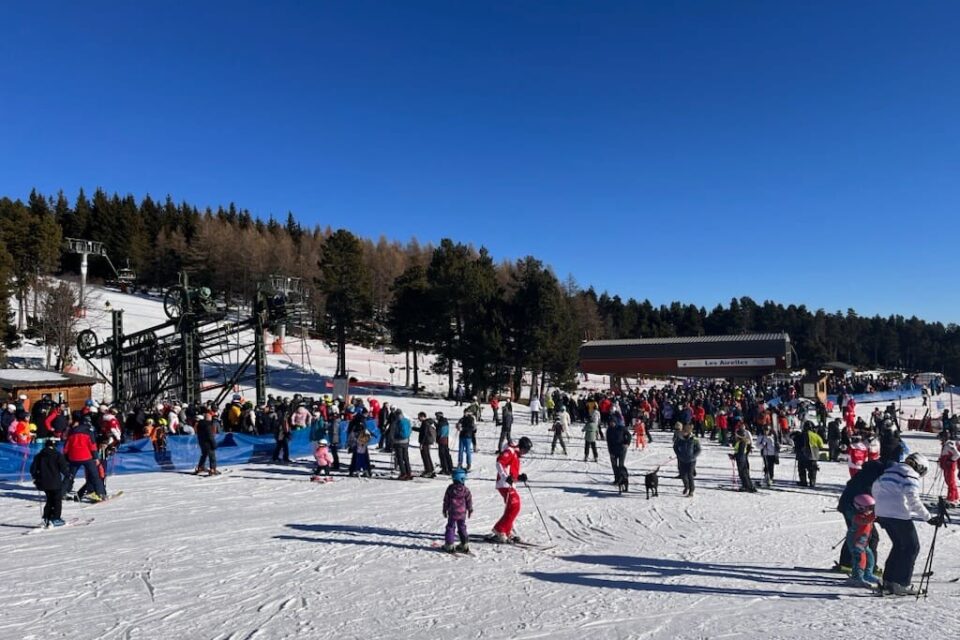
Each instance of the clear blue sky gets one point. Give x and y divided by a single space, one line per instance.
806 152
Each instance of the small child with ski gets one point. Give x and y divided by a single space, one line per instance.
858 537
361 458
457 507
324 461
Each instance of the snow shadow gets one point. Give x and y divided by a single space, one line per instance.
629 572
364 536
19 492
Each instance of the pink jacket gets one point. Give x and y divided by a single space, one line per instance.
323 457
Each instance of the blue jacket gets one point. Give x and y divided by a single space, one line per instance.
402 430
687 449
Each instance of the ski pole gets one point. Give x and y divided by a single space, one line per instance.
842 540
943 518
542 519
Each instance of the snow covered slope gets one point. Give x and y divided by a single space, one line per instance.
262 553
302 367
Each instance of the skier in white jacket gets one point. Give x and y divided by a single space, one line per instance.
897 493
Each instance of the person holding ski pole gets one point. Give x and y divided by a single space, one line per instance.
897 494
49 469
508 472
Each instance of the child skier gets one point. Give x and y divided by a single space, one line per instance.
858 537
508 472
949 455
559 430
362 454
324 460
640 432
457 507
48 470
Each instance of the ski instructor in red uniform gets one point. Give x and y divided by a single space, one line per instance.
508 471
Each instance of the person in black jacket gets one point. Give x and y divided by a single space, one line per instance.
426 438
207 428
857 485
48 470
833 439
618 440
687 450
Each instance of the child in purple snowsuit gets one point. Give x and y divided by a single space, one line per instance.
457 507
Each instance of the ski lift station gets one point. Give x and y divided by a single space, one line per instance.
736 356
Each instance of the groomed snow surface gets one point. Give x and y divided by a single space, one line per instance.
262 552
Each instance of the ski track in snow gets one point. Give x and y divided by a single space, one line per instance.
251 558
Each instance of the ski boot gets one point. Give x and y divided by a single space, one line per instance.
897 589
449 548
463 547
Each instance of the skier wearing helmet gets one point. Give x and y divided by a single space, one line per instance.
508 472
898 504
862 557
457 507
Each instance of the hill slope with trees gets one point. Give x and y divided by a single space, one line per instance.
498 320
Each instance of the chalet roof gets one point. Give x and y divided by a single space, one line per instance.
33 378
744 337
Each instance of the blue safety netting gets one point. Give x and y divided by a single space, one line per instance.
893 395
183 452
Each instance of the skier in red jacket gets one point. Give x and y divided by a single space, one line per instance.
508 471
80 451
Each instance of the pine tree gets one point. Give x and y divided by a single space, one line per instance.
345 285
410 315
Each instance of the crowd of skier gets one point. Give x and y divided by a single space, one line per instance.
884 484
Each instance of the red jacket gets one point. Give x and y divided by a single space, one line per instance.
80 446
508 464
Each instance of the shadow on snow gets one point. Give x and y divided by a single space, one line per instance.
363 536
629 573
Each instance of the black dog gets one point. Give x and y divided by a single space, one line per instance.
623 482
651 482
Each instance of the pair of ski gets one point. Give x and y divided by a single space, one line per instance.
91 503
205 474
489 539
72 522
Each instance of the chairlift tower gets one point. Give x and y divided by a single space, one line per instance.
291 288
84 248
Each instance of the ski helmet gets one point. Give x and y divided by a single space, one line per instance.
918 462
323 442
524 444
459 475
864 502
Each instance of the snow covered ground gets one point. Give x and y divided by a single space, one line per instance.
262 553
